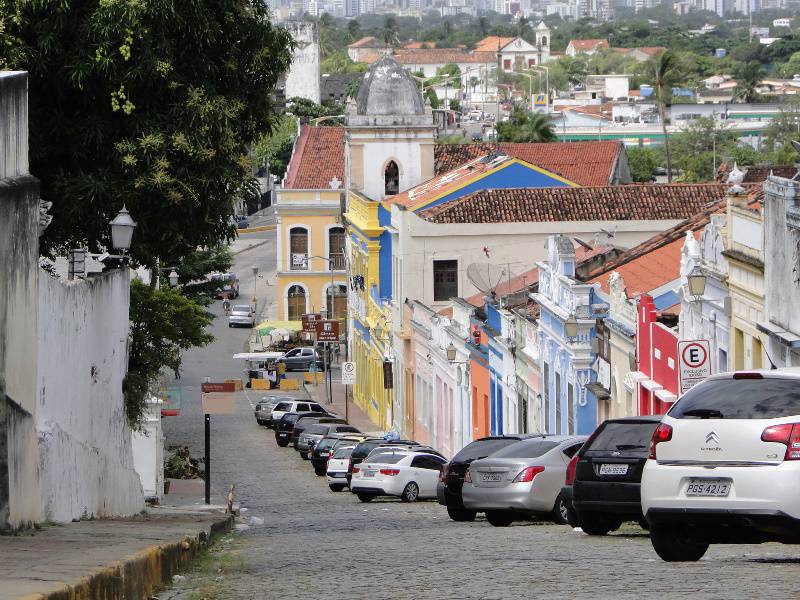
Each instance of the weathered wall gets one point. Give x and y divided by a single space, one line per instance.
302 80
85 456
19 251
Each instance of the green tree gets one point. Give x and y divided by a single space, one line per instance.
782 130
389 33
524 126
276 146
163 323
149 104
353 30
339 62
748 76
704 145
643 163
664 70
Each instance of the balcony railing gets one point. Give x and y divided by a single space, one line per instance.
337 262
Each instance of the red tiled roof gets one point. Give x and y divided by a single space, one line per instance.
367 42
415 45
584 163
317 158
492 43
606 203
588 45
442 55
758 173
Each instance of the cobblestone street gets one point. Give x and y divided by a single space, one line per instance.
318 544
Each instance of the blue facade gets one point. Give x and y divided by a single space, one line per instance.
385 255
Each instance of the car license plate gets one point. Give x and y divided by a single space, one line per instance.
609 469
491 476
369 473
708 487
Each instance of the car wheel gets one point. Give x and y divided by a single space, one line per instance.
410 492
320 471
458 513
304 455
365 497
643 523
598 525
673 544
282 443
561 511
499 518
335 488
230 324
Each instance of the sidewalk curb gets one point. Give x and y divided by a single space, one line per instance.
139 574
250 247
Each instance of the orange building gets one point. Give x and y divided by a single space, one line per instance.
479 379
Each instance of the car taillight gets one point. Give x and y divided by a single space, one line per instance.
788 434
350 464
467 477
356 470
748 375
445 473
527 474
663 433
390 471
571 467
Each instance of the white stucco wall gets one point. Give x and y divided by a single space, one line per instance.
302 80
378 154
148 452
85 457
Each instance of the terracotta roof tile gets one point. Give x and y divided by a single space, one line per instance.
367 42
606 203
492 43
442 55
317 158
588 45
584 163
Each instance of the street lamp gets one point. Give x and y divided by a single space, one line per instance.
173 278
697 283
571 326
255 283
122 227
451 352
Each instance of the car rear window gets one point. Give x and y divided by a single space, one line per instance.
343 453
385 458
525 449
621 437
482 448
316 429
346 429
363 449
767 398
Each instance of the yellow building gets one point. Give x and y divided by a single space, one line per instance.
370 314
310 234
745 257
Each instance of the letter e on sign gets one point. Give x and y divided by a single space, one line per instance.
694 359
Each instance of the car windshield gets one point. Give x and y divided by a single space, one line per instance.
623 436
243 308
525 449
385 458
767 398
341 453
482 449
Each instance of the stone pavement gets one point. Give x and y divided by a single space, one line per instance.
106 558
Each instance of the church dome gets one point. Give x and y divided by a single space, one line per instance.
387 89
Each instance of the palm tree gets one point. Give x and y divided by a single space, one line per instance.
353 29
664 71
483 26
524 126
522 27
390 31
576 72
748 77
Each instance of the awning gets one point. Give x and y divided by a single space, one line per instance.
666 395
266 327
651 385
598 390
258 356
779 334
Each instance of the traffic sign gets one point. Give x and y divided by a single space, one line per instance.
694 358
349 373
309 321
327 331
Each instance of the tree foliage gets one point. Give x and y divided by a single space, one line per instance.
643 163
524 126
147 104
276 146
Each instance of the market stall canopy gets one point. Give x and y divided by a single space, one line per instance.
258 356
268 327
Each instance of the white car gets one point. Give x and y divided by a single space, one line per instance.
407 475
724 465
336 471
281 408
242 315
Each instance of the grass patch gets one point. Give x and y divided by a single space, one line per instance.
207 578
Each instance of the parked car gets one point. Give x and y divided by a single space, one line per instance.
301 424
407 475
363 449
264 407
284 426
476 136
324 449
301 359
242 222
448 490
242 315
521 480
724 465
410 448
295 406
227 284
336 469
312 434
604 476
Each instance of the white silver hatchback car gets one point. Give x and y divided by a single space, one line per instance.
724 465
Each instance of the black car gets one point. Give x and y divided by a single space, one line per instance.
451 479
301 424
323 449
362 450
283 428
604 477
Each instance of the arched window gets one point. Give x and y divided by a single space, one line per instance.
296 302
391 179
339 301
336 238
544 40
298 248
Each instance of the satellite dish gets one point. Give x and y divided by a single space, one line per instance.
487 277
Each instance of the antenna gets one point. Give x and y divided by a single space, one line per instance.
486 277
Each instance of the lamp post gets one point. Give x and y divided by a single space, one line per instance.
122 227
696 281
173 278
255 285
571 327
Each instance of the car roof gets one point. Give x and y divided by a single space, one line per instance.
781 373
641 419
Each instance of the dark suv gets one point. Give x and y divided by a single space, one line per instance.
604 477
451 479
284 427
305 421
363 449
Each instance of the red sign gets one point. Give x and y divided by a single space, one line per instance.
309 322
327 331
218 387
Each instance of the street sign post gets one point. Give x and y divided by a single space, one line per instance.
694 359
309 321
327 331
349 373
218 398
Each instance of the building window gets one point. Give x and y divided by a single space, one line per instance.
445 280
336 237
531 62
298 248
296 301
544 40
603 336
546 398
391 179
506 64
557 403
339 302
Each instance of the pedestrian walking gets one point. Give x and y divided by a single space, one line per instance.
226 304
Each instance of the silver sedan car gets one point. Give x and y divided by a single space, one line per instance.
522 480
242 315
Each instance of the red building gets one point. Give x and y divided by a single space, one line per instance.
656 360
